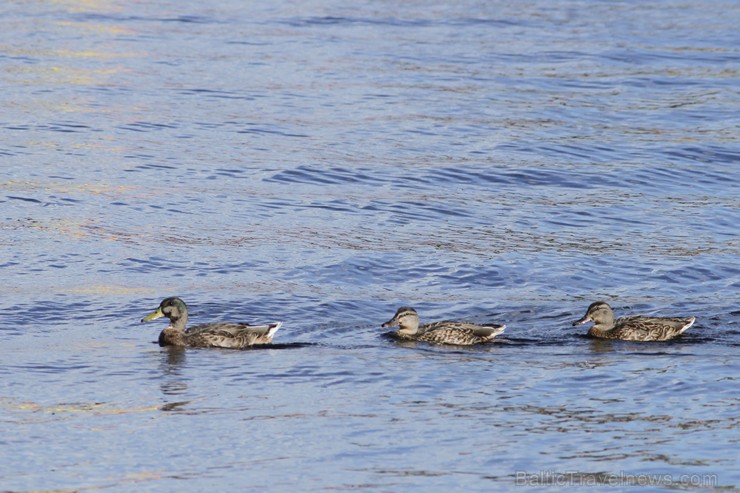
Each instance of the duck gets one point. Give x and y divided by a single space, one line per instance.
219 335
633 328
445 332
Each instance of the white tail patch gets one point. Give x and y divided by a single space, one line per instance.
686 327
494 331
271 331
497 330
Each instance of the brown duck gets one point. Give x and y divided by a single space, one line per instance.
446 332
634 328
220 334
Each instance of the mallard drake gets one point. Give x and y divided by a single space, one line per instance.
634 328
445 332
219 334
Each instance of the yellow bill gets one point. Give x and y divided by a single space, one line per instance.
154 315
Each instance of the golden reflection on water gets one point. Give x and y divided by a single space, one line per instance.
96 28
63 53
95 408
65 66
87 5
99 188
85 229
109 289
61 75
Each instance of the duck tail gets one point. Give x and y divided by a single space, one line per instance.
498 329
492 330
689 322
273 329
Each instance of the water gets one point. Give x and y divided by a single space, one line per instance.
324 163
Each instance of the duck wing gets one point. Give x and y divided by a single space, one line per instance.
462 333
231 335
640 328
489 331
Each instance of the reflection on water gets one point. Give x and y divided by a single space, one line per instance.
323 164
172 381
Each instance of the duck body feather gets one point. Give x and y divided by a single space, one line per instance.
458 333
641 328
223 334
632 328
444 332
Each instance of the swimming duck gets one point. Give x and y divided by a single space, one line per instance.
446 332
634 328
219 334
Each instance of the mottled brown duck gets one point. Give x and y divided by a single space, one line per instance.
445 332
220 334
633 328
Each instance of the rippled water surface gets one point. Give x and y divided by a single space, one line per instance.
323 163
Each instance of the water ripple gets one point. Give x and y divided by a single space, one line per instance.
325 176
504 163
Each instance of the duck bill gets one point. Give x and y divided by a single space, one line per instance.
390 323
153 316
582 321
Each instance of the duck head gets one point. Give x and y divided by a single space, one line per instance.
173 308
406 319
599 313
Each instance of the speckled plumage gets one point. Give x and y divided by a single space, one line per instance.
220 334
445 332
632 328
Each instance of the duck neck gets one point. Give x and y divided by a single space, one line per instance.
179 323
407 329
602 329
603 320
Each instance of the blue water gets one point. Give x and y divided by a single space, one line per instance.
323 163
